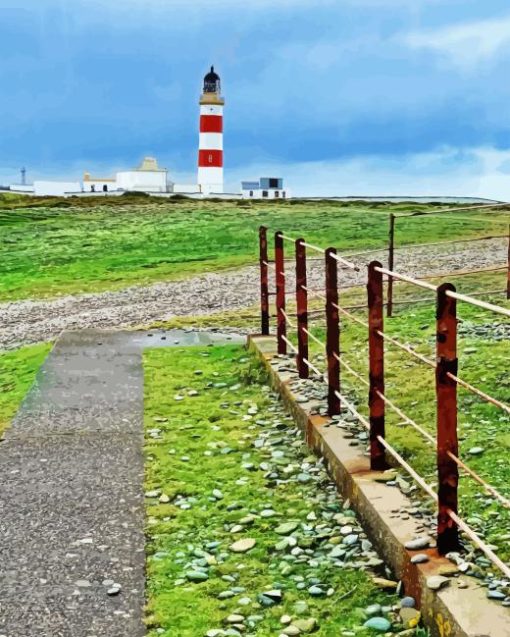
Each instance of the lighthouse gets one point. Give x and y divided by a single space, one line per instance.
210 153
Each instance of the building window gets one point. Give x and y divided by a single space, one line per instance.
276 194
105 187
251 193
93 188
283 194
264 193
273 183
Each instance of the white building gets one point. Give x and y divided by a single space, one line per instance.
148 177
264 188
56 188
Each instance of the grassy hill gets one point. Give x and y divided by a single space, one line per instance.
54 246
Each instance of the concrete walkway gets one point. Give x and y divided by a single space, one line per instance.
71 491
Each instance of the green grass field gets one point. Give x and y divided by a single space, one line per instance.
64 246
206 414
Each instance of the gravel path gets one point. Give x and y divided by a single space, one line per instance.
72 560
25 322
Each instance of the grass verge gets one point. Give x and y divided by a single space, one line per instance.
224 462
17 373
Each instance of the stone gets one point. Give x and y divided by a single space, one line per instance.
286 528
373 609
379 624
197 576
270 598
435 582
244 545
385 584
407 602
291 631
306 625
417 544
316 591
114 590
235 619
496 595
476 451
410 617
420 558
285 619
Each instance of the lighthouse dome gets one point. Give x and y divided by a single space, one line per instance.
212 82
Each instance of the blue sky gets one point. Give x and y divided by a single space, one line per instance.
337 96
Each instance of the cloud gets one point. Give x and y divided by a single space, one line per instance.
465 45
477 172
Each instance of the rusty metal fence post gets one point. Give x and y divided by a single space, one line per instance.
301 309
264 282
332 333
376 366
281 325
391 264
446 396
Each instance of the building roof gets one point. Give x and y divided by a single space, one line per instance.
150 164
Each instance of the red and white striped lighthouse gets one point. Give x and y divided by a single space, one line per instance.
210 153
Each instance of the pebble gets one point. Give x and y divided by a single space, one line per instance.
286 528
420 558
197 576
417 544
379 624
496 595
306 625
244 545
435 582
476 451
407 602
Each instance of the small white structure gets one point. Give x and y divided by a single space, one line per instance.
264 188
56 188
148 177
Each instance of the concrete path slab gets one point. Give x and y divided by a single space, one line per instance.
71 490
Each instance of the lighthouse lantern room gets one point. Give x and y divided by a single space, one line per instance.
210 153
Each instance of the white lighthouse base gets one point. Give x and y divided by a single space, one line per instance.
210 180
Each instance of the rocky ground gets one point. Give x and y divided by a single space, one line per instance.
471 561
25 322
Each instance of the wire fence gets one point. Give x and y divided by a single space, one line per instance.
445 366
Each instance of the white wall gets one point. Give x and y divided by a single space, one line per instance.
210 179
185 188
56 188
142 180
87 185
257 194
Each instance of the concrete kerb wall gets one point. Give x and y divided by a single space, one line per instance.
450 612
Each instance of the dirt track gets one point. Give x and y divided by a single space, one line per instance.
25 322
